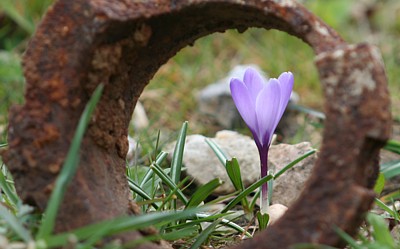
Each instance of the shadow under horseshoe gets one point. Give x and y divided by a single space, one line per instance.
122 44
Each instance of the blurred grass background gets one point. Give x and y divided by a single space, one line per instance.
170 98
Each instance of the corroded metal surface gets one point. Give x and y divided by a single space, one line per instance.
122 43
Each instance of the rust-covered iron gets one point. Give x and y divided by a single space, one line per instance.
122 44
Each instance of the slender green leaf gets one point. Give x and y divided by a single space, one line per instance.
348 238
177 157
380 184
149 174
270 184
263 220
176 164
97 235
391 169
157 143
223 198
209 218
150 181
307 110
233 170
246 192
170 236
392 213
393 146
185 232
293 163
254 200
218 151
9 8
390 196
203 236
172 194
15 225
135 188
69 168
234 226
167 180
3 145
119 225
381 231
203 192
5 187
199 218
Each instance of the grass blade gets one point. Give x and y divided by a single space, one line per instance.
172 194
379 184
15 225
390 169
12 196
135 188
254 200
263 220
348 238
209 218
307 110
218 151
9 8
177 157
233 170
246 192
167 180
179 234
381 232
390 196
176 164
121 224
170 236
385 207
149 174
393 146
69 168
205 234
98 234
203 192
293 163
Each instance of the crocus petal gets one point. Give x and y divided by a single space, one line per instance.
286 82
266 110
254 82
244 103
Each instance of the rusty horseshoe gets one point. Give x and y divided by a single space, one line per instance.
122 43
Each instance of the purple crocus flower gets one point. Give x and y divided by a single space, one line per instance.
261 104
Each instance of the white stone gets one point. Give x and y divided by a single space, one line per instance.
289 185
203 165
275 211
133 151
139 117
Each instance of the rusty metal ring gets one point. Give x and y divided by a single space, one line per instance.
122 44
